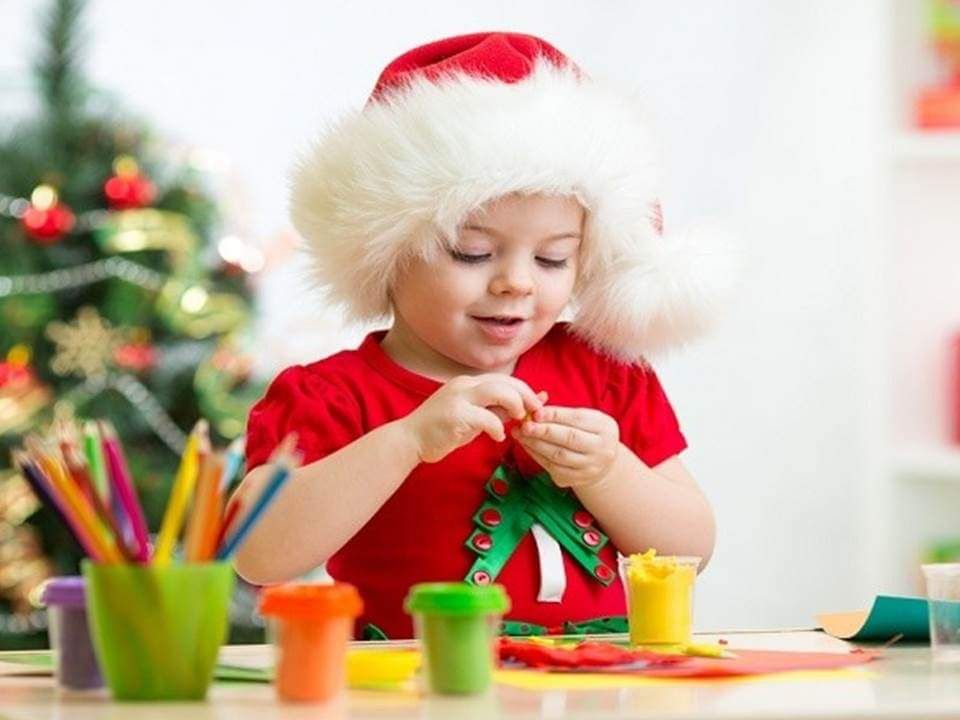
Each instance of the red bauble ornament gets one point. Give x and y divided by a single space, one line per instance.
47 219
128 188
135 356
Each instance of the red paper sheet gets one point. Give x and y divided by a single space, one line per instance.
753 662
587 654
601 657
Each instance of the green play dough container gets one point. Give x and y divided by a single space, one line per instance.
457 624
157 630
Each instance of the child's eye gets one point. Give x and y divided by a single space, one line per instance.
474 259
464 257
548 263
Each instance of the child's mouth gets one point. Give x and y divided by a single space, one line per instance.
500 329
500 320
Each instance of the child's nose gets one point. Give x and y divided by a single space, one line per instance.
513 279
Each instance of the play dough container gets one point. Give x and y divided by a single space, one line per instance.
75 664
457 625
157 630
659 597
310 627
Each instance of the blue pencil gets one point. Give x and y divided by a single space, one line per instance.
284 466
232 463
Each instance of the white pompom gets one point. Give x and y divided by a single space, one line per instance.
658 297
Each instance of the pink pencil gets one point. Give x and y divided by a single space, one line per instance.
123 486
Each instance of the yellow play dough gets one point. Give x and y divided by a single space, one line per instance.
660 598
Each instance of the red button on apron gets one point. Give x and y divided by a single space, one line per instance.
591 538
582 519
481 578
499 487
482 541
490 517
603 572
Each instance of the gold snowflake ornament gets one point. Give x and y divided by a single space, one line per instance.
85 346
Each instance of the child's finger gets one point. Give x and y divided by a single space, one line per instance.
556 454
567 436
486 421
531 400
497 392
583 418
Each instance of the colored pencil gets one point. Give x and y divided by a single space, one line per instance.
94 453
284 460
81 477
47 495
67 441
208 478
122 488
233 508
77 467
180 495
214 512
86 521
232 463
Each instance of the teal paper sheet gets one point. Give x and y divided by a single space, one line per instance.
893 615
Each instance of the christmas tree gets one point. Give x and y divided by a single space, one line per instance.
115 302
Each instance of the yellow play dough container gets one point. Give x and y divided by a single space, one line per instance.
659 597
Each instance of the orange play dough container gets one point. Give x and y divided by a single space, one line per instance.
311 627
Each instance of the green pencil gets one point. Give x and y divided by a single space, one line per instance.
93 449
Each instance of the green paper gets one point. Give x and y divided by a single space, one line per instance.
891 615
239 673
35 663
157 630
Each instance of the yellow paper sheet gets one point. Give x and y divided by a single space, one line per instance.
535 680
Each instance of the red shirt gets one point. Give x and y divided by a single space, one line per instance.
418 535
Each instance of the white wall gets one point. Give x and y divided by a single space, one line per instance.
768 113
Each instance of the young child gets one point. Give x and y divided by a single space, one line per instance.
487 185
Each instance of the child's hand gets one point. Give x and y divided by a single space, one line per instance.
577 446
465 407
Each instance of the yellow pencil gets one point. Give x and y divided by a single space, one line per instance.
183 483
105 547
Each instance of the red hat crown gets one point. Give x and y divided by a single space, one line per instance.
508 57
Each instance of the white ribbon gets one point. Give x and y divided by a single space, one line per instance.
553 578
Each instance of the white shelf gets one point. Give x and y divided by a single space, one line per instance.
917 146
940 463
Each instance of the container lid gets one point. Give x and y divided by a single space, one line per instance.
457 599
64 591
941 569
303 600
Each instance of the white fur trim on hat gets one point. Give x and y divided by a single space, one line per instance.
383 181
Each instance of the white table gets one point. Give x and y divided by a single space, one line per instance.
905 684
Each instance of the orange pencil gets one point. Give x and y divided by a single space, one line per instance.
65 440
78 471
202 498
87 522
214 510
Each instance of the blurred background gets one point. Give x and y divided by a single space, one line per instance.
143 162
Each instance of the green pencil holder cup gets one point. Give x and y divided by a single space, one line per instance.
157 630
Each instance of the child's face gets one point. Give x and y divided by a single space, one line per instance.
499 286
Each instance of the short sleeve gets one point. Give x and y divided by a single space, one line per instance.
648 424
302 399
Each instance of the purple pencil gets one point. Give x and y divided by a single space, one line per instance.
41 487
123 489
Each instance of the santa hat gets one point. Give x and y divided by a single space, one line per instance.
461 121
